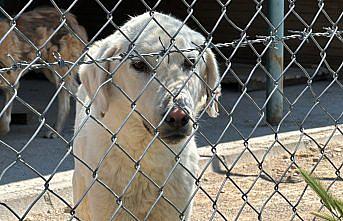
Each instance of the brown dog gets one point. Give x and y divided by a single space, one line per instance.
38 26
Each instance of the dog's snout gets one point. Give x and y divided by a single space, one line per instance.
177 118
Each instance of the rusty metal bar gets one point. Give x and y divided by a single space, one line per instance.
274 63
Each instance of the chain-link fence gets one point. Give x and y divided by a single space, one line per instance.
142 104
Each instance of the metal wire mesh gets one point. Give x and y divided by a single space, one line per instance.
228 177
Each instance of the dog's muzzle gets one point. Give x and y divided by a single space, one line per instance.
176 126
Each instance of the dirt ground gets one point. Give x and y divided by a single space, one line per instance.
258 193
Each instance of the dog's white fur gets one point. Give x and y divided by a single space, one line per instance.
117 170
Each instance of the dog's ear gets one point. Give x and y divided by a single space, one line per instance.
212 79
92 76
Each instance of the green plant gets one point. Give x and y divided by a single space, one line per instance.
334 205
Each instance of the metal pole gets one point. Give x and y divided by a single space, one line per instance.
274 63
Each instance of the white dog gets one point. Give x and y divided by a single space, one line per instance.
131 175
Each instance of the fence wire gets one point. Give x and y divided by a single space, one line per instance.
232 191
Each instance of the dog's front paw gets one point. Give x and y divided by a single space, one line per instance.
50 135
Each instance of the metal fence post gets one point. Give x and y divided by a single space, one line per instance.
274 63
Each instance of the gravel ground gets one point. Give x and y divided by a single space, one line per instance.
261 197
256 194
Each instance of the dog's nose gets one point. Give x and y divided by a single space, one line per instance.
177 118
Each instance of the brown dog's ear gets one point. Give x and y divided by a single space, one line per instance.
92 76
212 79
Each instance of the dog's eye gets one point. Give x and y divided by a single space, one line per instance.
140 66
187 65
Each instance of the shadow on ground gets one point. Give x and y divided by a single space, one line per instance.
244 122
